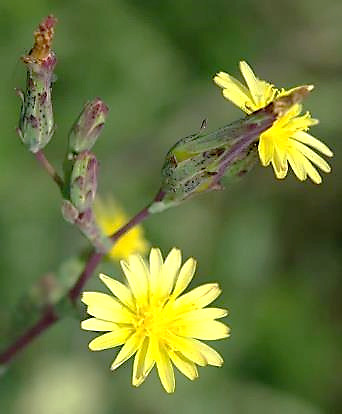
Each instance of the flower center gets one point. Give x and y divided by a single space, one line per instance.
151 321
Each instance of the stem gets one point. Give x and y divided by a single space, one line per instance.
248 137
93 260
142 215
95 257
44 162
49 317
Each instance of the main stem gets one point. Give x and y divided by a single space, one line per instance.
49 316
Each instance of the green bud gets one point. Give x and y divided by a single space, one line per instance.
83 181
78 210
88 126
36 124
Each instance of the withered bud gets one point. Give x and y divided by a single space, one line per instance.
36 124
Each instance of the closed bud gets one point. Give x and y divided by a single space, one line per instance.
198 163
69 212
88 126
36 124
83 181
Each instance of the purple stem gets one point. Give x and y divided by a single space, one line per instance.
93 260
44 162
49 317
238 148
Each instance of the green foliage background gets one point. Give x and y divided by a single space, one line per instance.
274 246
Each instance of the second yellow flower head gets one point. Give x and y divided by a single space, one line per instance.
287 142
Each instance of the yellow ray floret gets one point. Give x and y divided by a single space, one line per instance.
287 141
110 217
153 321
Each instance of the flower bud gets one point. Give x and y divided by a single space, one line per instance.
36 124
69 212
88 126
83 181
197 163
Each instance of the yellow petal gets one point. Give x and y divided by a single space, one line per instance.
198 298
156 263
105 307
308 139
262 92
136 275
185 276
110 339
203 314
279 167
296 164
93 324
138 364
280 172
211 356
130 347
151 355
302 122
97 298
140 271
235 91
312 156
119 290
169 272
165 370
207 330
184 365
311 171
187 347
266 150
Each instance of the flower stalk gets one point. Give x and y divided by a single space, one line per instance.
48 167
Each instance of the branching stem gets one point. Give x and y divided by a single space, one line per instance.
49 316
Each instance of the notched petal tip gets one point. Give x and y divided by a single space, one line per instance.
225 312
317 180
136 382
114 365
104 277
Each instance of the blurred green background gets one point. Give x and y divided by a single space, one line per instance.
274 246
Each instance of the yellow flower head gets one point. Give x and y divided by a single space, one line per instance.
153 320
110 217
287 141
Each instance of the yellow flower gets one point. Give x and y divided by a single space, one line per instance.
152 320
110 217
287 141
